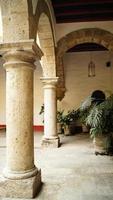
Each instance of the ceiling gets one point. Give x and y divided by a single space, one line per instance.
67 11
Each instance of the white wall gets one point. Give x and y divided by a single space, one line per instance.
38 95
65 28
34 4
2 93
78 84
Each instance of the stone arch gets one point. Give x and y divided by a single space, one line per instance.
42 30
89 35
15 20
45 41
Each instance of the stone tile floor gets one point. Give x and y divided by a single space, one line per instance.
71 172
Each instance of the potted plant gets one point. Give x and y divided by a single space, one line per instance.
64 121
87 105
100 120
61 120
60 129
68 118
84 110
42 109
83 116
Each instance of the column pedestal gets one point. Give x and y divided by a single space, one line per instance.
20 179
20 188
52 143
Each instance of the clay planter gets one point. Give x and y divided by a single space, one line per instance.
102 144
66 130
85 129
59 128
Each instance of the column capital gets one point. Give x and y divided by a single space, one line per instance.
22 45
19 54
49 81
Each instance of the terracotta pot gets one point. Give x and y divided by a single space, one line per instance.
59 128
102 144
85 129
66 130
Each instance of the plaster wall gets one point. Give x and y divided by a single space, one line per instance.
65 28
78 84
34 5
38 95
2 94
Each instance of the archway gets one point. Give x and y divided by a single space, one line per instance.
44 38
41 28
41 23
43 32
90 35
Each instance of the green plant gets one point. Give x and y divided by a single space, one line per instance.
83 114
70 116
42 109
100 119
66 119
84 109
60 116
86 103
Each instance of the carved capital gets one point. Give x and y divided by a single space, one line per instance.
19 54
49 82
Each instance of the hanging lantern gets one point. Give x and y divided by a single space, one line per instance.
91 69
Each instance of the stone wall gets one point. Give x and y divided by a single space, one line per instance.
42 30
15 20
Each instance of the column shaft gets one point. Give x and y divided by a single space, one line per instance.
51 138
19 113
50 112
20 172
19 119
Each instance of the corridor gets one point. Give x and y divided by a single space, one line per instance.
71 172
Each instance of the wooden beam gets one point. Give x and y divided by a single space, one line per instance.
83 12
83 19
82 2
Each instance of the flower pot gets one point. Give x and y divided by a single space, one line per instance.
103 144
59 128
85 129
66 130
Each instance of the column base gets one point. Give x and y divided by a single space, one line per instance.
51 143
21 188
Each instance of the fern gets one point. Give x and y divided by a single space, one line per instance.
100 118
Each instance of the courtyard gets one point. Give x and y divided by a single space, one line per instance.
71 172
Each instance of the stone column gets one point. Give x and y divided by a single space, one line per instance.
50 138
21 178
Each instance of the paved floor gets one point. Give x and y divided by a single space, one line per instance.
71 172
